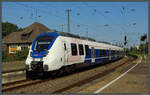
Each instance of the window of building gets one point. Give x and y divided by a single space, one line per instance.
87 50
81 50
26 34
13 48
24 46
74 49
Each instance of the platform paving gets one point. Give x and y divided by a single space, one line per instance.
8 66
135 81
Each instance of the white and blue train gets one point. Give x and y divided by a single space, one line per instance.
58 51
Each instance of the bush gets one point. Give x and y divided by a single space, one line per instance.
6 57
21 55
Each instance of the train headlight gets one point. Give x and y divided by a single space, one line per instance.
46 53
45 67
31 54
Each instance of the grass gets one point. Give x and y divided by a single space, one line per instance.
144 56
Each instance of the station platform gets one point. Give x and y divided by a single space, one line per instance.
10 66
134 81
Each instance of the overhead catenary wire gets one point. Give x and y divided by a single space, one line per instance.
107 18
62 18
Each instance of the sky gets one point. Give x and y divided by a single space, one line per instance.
104 21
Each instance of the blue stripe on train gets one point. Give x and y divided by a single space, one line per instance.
98 59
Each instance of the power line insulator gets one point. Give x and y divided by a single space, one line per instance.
78 14
106 25
94 10
78 25
107 11
134 23
21 17
132 10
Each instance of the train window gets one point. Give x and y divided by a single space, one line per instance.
81 51
115 53
42 43
112 52
108 54
87 49
118 52
102 53
74 49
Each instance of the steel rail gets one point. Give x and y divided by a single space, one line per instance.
85 81
24 83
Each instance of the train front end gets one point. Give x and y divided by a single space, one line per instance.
42 54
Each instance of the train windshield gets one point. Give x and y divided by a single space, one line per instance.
43 43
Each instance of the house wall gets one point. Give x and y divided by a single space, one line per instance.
13 48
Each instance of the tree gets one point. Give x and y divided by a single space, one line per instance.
8 28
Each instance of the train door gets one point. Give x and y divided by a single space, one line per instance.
93 54
65 53
109 54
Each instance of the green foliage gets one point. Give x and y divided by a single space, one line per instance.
21 55
143 49
8 28
6 57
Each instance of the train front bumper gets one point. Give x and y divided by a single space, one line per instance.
37 66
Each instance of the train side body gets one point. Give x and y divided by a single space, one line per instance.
59 53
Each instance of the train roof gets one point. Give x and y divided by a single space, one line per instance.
74 36
81 37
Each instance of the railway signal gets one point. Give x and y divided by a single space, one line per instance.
125 40
143 37
125 43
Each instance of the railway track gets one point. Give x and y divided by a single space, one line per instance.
18 84
11 71
24 83
85 81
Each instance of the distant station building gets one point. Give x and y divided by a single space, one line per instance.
21 40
